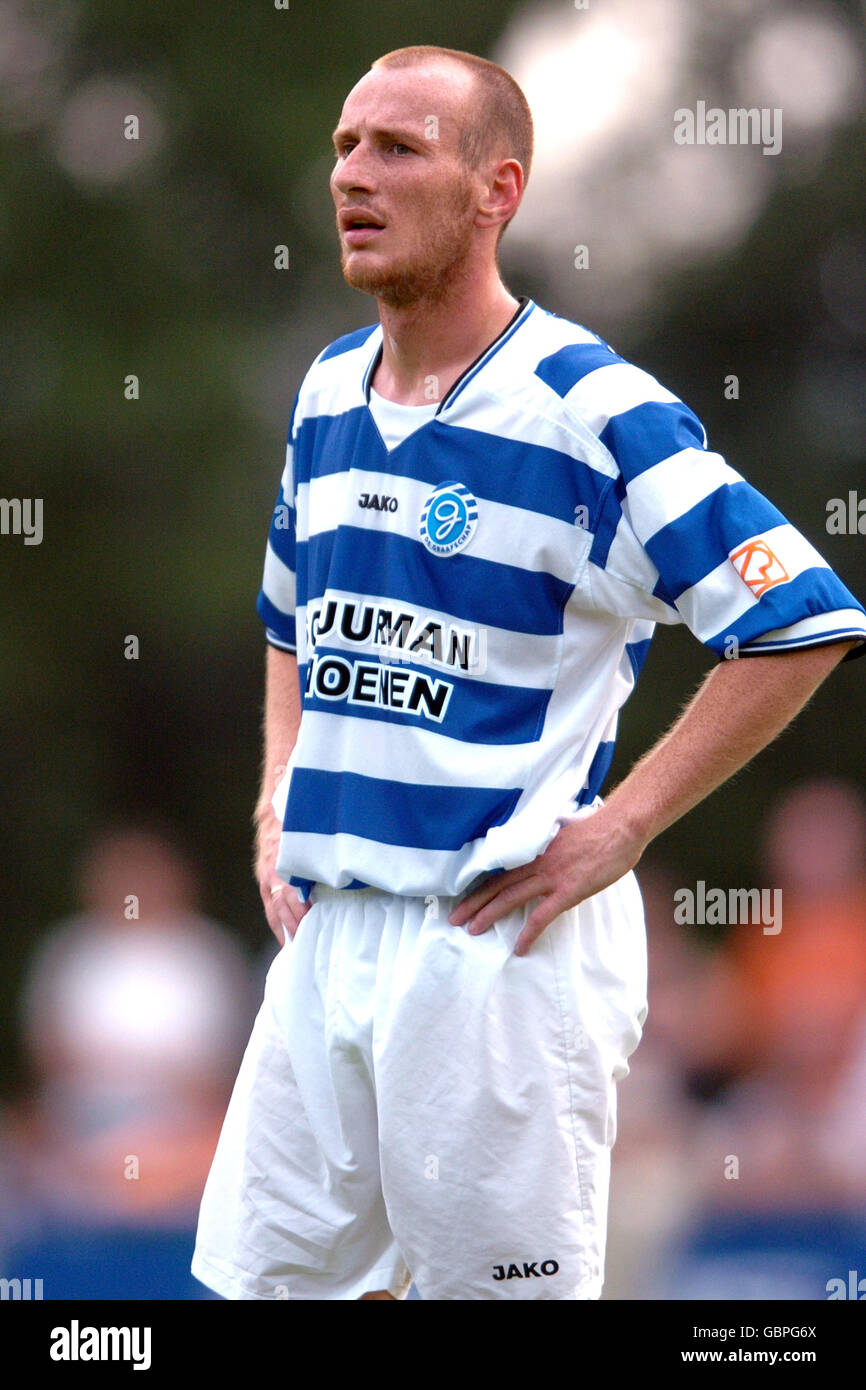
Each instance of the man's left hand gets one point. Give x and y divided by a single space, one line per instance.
584 857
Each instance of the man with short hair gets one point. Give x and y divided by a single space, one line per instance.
484 513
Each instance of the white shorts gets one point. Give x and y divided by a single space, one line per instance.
418 1103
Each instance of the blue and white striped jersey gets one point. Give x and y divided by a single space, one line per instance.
471 608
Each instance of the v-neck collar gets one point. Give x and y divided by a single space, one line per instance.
520 315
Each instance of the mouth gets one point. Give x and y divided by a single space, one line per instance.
359 227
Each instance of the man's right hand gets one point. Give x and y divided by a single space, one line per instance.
283 908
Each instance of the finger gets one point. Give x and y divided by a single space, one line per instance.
277 919
514 896
270 914
489 890
276 926
286 916
291 907
295 910
460 915
278 899
537 922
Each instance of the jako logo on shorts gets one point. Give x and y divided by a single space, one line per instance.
529 1271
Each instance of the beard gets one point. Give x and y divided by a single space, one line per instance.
434 266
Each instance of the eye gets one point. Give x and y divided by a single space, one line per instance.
400 149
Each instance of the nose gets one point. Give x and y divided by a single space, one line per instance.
354 172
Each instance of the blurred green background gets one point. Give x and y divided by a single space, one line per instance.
156 258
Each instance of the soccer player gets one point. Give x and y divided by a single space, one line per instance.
483 514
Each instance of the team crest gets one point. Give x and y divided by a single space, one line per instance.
449 519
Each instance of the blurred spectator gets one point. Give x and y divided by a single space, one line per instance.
688 1053
805 990
781 1162
135 1015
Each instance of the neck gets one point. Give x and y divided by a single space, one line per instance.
427 345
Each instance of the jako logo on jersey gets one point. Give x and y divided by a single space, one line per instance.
529 1270
758 567
378 502
449 519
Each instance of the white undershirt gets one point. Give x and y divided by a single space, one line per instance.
395 422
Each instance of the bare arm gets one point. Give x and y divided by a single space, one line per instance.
740 707
281 722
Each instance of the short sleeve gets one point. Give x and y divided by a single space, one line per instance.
692 541
278 594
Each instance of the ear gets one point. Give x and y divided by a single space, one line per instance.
501 194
